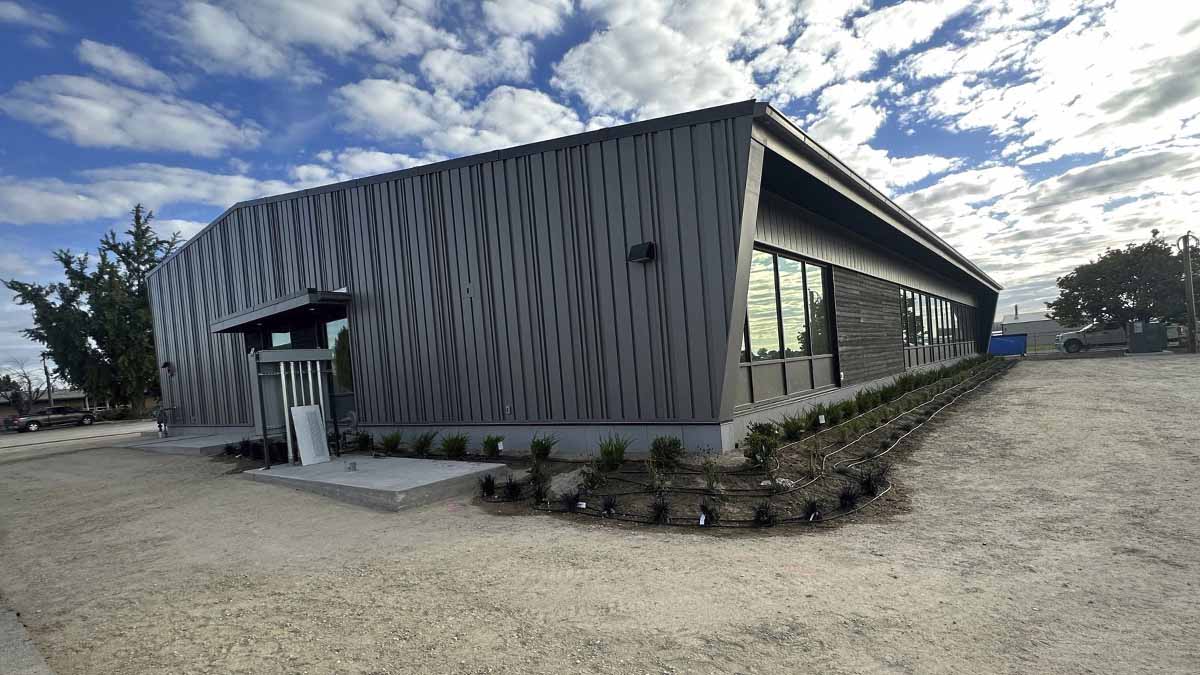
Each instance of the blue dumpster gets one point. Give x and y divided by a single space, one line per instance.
1012 344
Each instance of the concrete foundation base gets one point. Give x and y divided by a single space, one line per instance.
387 483
190 444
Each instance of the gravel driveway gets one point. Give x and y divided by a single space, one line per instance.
1052 527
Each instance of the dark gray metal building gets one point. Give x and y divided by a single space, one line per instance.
683 275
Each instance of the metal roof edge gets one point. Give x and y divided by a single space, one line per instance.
929 238
701 116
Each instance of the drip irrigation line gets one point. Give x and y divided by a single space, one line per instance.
999 371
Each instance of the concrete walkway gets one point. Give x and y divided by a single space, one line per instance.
16 447
18 655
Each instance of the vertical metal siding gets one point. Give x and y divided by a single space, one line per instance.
490 292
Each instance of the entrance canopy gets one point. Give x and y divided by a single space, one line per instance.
304 307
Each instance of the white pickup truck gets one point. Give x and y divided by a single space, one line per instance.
1091 337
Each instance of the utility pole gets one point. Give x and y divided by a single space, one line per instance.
49 382
1185 243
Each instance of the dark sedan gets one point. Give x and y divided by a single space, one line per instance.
48 417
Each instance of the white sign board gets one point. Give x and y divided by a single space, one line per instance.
310 434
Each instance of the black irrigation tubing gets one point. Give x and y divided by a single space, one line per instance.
999 371
932 399
739 523
881 405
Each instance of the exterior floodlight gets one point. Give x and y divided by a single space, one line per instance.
641 253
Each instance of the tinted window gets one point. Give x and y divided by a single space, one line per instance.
792 312
761 308
818 309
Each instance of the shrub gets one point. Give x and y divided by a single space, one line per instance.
390 444
712 473
491 445
759 447
660 509
539 480
763 428
512 490
812 509
245 447
667 451
541 447
764 514
848 497
711 510
423 442
654 473
792 427
487 485
593 476
363 442
454 445
608 506
612 453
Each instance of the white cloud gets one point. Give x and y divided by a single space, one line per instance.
120 64
110 192
526 17
397 110
508 59
91 113
186 229
29 15
268 38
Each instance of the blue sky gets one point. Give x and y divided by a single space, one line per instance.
1030 134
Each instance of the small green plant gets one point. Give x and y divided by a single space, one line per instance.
593 476
762 428
511 490
848 497
711 510
792 427
422 443
812 509
667 452
491 445
390 444
764 514
487 485
712 473
869 483
539 480
656 476
608 506
660 509
759 448
363 442
541 447
454 445
612 453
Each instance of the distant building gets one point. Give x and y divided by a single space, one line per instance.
1037 323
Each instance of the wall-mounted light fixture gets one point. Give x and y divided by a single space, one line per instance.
641 253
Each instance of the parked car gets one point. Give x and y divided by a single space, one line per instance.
48 417
1095 335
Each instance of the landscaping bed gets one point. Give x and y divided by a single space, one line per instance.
833 461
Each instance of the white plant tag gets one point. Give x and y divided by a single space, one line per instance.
701 518
581 505
500 445
820 419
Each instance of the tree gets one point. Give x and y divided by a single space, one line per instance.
96 325
22 385
1137 283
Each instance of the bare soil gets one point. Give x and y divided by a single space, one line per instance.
1052 527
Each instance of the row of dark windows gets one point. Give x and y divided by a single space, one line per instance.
927 320
787 310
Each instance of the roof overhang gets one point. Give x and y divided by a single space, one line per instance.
302 305
778 134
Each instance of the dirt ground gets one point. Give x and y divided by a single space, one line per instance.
1053 527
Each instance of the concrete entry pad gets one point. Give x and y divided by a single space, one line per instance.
389 483
197 445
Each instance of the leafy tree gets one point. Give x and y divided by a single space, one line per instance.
96 324
1137 283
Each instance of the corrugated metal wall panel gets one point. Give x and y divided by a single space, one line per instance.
493 292
787 226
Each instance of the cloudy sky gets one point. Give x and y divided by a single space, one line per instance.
1030 134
